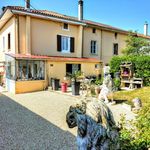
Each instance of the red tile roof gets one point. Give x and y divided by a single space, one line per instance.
42 12
71 18
53 58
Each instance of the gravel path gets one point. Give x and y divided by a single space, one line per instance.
36 121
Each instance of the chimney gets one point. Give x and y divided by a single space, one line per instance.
146 28
3 8
27 4
80 10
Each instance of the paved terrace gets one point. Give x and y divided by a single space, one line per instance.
37 121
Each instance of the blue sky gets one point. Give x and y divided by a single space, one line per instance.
125 14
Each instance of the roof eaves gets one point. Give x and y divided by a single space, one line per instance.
47 16
3 12
107 28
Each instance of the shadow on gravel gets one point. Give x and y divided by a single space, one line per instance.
21 128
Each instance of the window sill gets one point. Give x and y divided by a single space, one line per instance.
65 52
93 54
66 29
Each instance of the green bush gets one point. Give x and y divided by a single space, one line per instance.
141 66
117 83
137 136
99 81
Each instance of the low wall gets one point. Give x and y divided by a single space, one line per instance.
30 86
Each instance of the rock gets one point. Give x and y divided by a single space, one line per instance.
137 103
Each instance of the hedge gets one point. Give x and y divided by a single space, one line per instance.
141 66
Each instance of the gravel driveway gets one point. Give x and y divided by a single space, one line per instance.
36 121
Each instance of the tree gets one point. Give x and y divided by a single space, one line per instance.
136 45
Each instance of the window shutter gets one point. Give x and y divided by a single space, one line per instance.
59 43
72 42
91 46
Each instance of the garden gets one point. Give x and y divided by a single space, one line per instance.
129 82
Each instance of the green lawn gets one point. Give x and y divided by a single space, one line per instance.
142 93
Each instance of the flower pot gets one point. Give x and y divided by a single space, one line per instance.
75 88
55 84
64 87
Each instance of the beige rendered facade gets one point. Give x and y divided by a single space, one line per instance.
39 45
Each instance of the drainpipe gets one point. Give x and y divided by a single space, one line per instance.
101 53
82 42
18 34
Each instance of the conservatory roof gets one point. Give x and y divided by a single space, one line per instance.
53 58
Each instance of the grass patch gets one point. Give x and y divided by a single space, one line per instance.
142 93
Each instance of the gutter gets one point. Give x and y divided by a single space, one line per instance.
108 29
47 17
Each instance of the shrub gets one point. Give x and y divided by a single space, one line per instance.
137 136
141 66
117 83
99 81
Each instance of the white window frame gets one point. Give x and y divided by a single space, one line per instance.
93 47
65 44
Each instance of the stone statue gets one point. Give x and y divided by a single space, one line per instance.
106 89
137 104
96 129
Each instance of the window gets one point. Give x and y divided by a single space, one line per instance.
65 26
72 68
116 34
94 30
9 42
23 70
10 69
115 49
93 47
3 43
65 44
30 70
97 66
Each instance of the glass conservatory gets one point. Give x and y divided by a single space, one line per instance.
24 75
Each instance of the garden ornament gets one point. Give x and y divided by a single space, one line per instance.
137 103
106 89
96 129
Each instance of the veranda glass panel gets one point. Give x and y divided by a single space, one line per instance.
30 70
10 68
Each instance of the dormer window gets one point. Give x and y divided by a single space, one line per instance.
94 30
65 26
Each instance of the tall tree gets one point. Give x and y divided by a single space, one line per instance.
136 45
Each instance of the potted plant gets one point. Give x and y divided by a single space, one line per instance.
98 83
55 83
75 84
